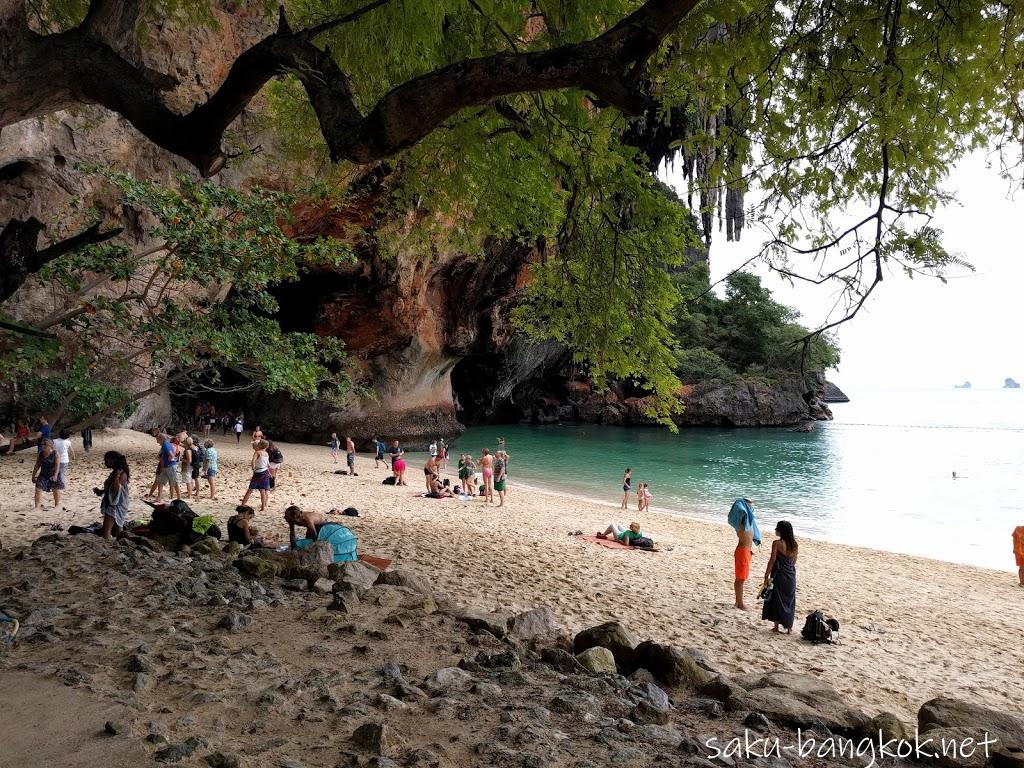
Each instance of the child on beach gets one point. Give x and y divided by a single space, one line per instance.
335 445
260 481
643 497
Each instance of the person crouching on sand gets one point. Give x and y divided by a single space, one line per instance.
311 521
241 530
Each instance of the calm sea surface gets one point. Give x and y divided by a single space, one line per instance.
880 475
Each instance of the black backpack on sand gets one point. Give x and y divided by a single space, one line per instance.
818 629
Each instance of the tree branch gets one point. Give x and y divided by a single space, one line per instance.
51 72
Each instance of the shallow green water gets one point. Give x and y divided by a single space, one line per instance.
880 475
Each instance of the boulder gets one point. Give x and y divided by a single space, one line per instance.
484 621
598 660
323 586
378 738
448 679
954 721
309 563
259 567
234 621
401 577
611 635
886 726
798 701
353 573
672 665
534 624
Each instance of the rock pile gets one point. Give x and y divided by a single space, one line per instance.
224 659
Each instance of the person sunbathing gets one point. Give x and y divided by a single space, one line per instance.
311 521
615 532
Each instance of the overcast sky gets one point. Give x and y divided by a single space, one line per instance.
919 332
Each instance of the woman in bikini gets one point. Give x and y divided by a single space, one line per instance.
487 469
627 484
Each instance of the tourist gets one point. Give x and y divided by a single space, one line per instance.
311 521
210 470
500 476
167 467
240 527
21 436
741 518
616 532
487 470
276 460
397 463
1018 551
438 490
260 480
627 484
257 434
350 456
430 471
239 429
225 424
378 456
198 464
46 474
44 433
466 473
442 454
335 445
114 494
432 449
209 421
780 607
186 466
87 439
65 453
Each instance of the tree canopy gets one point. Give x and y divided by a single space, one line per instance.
544 120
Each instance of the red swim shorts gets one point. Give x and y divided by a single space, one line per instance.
742 556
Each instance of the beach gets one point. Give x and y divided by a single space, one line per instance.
912 628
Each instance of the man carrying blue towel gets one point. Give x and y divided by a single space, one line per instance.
741 518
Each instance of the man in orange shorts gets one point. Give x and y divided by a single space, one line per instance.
742 556
1018 551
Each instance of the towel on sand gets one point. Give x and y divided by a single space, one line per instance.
601 541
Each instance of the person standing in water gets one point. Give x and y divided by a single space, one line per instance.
780 607
627 485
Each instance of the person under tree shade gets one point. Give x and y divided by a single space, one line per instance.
87 439
780 607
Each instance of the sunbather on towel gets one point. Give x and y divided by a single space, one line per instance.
615 532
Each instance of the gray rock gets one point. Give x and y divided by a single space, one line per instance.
115 727
799 701
296 585
401 577
222 760
562 660
722 688
344 602
323 586
487 690
448 679
611 635
354 574
503 660
598 660
757 721
390 703
378 738
887 726
662 735
179 750
534 624
234 621
574 703
477 620
955 721
653 695
645 712
671 665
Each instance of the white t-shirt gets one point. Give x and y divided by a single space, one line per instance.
262 462
62 449
238 426
433 449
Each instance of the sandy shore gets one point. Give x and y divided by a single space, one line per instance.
911 628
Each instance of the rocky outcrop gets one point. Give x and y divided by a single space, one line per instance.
834 394
1011 384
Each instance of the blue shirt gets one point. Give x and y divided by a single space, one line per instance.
167 458
380 448
211 459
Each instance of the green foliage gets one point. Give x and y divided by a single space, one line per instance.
72 395
746 332
195 303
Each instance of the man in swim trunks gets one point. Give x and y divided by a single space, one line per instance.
742 557
350 456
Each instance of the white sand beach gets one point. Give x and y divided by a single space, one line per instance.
911 628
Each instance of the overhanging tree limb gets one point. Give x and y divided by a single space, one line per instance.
50 72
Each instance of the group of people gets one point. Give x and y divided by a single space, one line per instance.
778 589
643 492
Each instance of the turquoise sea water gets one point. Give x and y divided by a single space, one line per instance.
880 475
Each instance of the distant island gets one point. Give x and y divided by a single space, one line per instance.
965 385
1010 384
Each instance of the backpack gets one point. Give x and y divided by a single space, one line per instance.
385 481
275 455
642 542
818 629
198 455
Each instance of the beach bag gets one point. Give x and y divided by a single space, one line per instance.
642 542
818 629
341 539
275 455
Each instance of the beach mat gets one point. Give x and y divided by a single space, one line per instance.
601 541
378 562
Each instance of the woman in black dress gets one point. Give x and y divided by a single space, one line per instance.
780 607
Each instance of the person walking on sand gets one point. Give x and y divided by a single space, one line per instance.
780 607
378 453
627 485
210 470
46 474
350 456
65 453
742 520
1018 551
487 470
335 446
239 429
87 439
260 480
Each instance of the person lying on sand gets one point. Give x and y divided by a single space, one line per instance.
241 529
631 537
